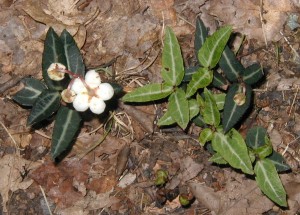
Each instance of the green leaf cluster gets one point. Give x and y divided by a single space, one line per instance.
215 94
44 96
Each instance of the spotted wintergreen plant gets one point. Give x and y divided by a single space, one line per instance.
216 101
66 90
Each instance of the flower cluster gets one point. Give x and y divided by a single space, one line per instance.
85 93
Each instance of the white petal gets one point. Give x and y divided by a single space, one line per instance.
97 105
92 78
81 102
78 87
105 91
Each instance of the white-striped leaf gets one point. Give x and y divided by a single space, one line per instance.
66 127
194 108
252 74
233 149
269 182
188 73
205 136
279 162
150 92
32 89
179 108
219 81
200 35
220 100
256 137
53 53
172 62
166 119
202 78
218 159
230 65
46 104
210 112
211 51
72 54
233 111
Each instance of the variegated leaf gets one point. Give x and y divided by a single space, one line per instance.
166 119
233 149
179 108
200 79
252 74
211 51
210 112
269 182
172 62
200 35
66 126
46 104
150 92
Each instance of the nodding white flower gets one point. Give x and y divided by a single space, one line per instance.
92 79
81 102
55 71
68 95
97 105
105 91
78 86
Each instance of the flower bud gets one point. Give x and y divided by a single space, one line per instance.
78 86
55 71
97 105
68 96
81 102
105 91
92 79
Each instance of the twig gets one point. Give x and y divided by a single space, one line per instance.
287 145
263 21
11 137
43 192
42 134
293 103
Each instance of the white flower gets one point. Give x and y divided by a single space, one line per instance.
97 105
81 102
55 71
78 86
92 79
105 91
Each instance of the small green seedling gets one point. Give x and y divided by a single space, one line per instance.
192 97
161 177
65 91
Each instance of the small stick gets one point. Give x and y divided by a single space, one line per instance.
43 192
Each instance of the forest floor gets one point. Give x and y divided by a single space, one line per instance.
118 176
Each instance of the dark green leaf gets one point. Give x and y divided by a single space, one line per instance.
72 54
188 73
252 74
279 162
269 182
202 78
210 112
150 92
179 108
200 35
233 149
198 120
32 89
211 51
66 126
256 137
46 104
230 65
233 110
53 53
219 81
172 62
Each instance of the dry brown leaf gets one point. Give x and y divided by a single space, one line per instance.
11 167
244 16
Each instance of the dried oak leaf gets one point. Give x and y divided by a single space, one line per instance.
245 16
